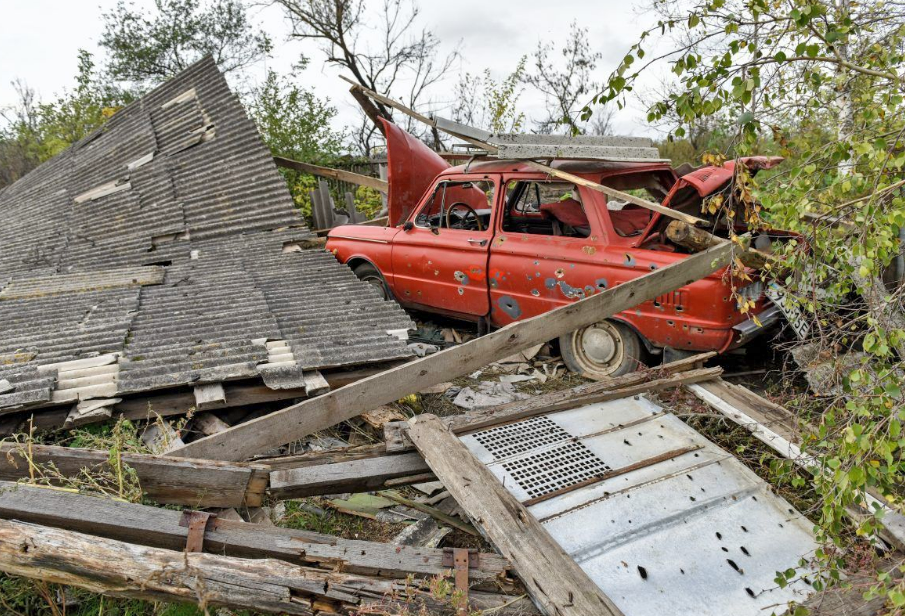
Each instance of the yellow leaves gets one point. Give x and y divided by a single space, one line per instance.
715 160
712 205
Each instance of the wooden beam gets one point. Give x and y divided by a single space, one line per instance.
552 578
122 569
172 481
335 174
414 114
397 441
618 194
297 421
165 528
209 396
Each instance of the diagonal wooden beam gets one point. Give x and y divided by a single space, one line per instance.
297 421
617 194
553 579
336 174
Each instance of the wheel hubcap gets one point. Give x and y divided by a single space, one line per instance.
598 345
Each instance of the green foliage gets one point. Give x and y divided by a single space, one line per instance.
36 131
295 123
483 102
821 83
146 49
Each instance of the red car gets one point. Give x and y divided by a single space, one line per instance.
497 241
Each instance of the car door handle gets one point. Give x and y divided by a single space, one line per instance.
477 242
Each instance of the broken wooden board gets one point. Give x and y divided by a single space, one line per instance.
209 396
297 421
335 174
195 483
165 528
553 580
662 520
122 569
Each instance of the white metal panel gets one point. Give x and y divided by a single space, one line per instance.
695 533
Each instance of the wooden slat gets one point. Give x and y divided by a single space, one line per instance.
122 569
336 174
617 194
552 578
156 527
300 420
195 483
348 476
209 396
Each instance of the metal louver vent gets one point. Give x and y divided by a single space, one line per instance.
555 468
547 458
520 437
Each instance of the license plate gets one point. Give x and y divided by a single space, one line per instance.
794 315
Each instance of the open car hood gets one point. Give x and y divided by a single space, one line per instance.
708 180
411 168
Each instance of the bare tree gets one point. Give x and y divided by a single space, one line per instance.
400 60
565 89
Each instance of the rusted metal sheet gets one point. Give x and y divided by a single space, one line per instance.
663 520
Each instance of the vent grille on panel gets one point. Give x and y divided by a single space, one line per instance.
675 299
555 468
556 459
520 437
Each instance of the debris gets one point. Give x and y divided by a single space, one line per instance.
439 388
364 505
90 411
423 533
433 512
511 379
421 349
381 415
488 394
160 437
209 423
5 386
209 396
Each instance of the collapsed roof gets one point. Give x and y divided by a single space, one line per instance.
165 250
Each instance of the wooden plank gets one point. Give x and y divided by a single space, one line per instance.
125 570
161 528
299 420
354 217
362 475
315 383
209 396
618 194
613 389
552 578
195 483
335 174
209 423
327 206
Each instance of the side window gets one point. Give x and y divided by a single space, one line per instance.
457 205
545 208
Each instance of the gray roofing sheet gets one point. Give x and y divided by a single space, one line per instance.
181 181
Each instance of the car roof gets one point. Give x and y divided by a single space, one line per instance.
595 167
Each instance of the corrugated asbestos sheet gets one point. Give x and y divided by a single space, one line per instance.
162 251
663 520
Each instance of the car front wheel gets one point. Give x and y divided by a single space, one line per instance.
370 274
602 350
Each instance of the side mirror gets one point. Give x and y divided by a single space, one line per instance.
408 226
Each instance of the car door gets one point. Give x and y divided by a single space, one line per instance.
538 262
442 267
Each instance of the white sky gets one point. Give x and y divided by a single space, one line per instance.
39 40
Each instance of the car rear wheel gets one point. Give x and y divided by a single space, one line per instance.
602 350
370 274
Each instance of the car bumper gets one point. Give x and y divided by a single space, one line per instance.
748 330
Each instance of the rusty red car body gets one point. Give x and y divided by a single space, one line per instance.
498 275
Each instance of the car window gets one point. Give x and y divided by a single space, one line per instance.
458 205
545 208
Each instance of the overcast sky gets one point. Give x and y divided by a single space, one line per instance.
39 40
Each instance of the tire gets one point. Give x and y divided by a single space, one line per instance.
370 274
602 350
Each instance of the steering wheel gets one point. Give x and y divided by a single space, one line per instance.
470 211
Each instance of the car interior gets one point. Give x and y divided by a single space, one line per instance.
464 206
